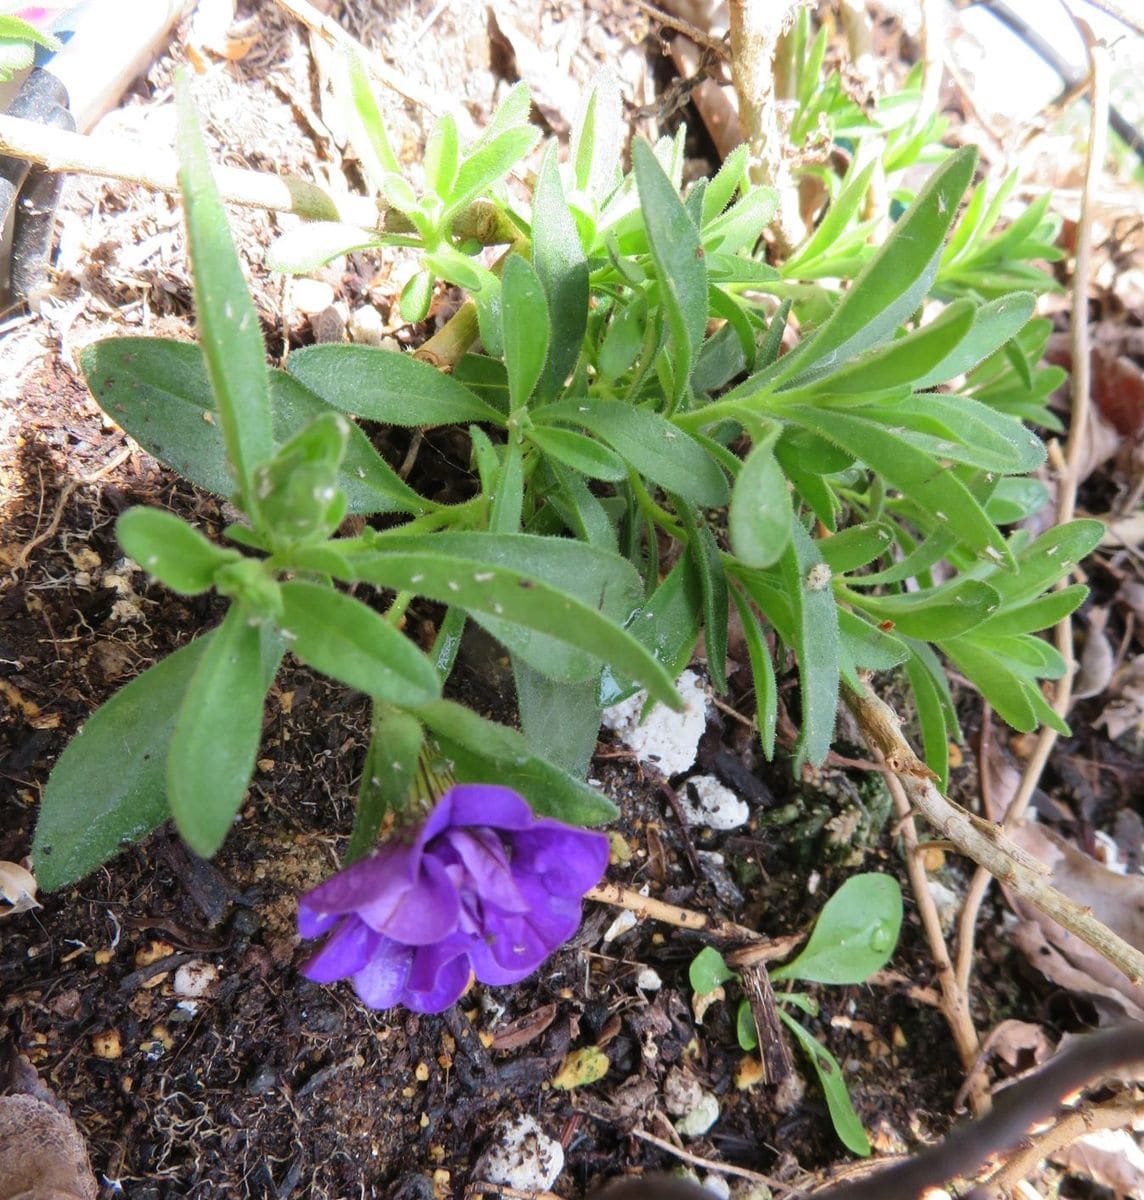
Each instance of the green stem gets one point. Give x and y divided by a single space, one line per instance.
653 511
397 609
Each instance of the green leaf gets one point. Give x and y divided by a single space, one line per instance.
387 386
623 339
850 198
993 326
12 26
815 643
491 159
367 126
508 494
1037 614
314 243
745 1032
741 226
216 734
597 137
158 391
563 271
893 283
1006 686
1048 559
829 1071
233 349
855 547
416 297
173 551
854 936
1015 499
347 640
387 776
667 625
913 472
560 721
934 614
678 257
649 443
762 672
525 331
483 752
761 515
108 787
707 971
725 183
442 156
931 718
704 553
583 454
902 361
521 587
298 488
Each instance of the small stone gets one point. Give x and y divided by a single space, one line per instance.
681 1092
625 921
311 296
700 1119
648 980
718 1186
107 1044
195 979
667 739
522 1156
705 801
366 325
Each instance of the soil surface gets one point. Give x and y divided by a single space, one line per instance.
266 1085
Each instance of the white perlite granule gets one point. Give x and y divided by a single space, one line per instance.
668 740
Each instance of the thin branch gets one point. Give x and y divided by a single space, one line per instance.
1119 11
1067 482
954 1000
717 46
709 1164
983 841
59 150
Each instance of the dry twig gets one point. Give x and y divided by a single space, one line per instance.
1067 483
708 1164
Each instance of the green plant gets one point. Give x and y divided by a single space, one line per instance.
853 938
629 412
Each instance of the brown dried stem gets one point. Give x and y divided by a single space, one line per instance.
983 841
1067 481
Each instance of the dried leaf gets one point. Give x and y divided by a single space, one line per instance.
17 889
41 1153
1109 1157
524 1029
1125 709
1098 660
580 1068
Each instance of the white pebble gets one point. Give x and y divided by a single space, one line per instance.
195 979
312 296
718 1185
648 980
625 921
522 1156
668 740
714 806
700 1119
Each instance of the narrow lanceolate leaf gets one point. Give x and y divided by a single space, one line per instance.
807 581
559 261
515 606
678 256
916 474
651 444
482 751
228 325
314 243
173 551
524 325
387 775
583 454
366 125
387 386
892 284
217 733
159 392
108 787
760 518
703 551
762 672
993 325
347 640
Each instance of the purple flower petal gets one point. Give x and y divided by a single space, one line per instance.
381 982
487 871
311 922
485 804
566 861
438 977
388 870
514 944
418 914
345 952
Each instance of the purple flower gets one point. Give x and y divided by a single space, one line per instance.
485 887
